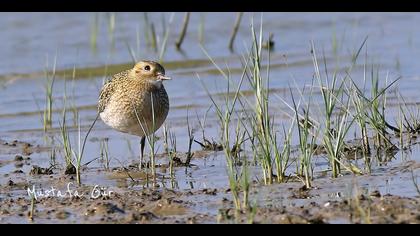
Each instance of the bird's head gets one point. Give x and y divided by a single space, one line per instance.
150 71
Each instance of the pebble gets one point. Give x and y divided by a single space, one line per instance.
62 215
375 193
18 158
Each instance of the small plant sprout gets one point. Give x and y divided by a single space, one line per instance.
104 153
49 86
415 183
31 212
78 154
201 29
190 154
171 151
235 30
94 31
65 138
178 43
165 38
306 143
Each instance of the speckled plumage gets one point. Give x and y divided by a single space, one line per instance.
125 101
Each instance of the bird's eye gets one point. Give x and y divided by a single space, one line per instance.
147 68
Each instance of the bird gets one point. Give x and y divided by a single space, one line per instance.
135 101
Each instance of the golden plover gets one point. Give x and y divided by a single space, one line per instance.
135 101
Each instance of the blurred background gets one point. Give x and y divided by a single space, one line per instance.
92 39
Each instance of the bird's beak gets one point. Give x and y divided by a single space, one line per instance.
163 77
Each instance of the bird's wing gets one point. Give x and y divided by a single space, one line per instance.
108 89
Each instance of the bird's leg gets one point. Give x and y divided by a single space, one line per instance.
142 143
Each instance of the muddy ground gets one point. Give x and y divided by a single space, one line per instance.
367 198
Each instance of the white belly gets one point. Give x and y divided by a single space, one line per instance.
129 124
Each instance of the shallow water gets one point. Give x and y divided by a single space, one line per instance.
31 41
